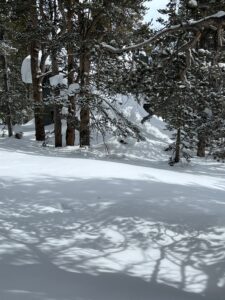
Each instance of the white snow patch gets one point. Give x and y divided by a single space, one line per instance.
58 79
73 89
122 228
26 68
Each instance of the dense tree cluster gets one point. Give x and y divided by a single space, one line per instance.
83 53
79 76
184 80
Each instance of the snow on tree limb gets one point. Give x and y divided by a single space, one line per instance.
6 49
217 20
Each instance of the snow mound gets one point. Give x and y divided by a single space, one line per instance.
58 79
154 128
154 131
157 137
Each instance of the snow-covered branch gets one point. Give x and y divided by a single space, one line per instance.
217 20
6 49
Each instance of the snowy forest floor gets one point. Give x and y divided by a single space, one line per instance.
75 225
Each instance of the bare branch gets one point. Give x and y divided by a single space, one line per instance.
190 44
44 75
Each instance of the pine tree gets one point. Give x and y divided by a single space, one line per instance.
179 81
15 105
210 47
6 84
70 132
37 69
94 22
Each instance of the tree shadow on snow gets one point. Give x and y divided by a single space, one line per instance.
110 239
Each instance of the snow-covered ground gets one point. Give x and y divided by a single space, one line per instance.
82 225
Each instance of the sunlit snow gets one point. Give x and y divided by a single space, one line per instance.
82 225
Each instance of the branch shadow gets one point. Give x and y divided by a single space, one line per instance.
110 239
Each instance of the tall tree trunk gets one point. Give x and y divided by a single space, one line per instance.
57 106
84 82
70 132
37 92
36 80
85 110
6 89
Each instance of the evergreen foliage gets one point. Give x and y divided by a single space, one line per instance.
97 46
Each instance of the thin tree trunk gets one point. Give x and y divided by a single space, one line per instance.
57 126
57 106
85 126
36 80
6 85
6 88
70 132
85 110
57 117
84 83
37 93
178 138
55 71
177 146
9 121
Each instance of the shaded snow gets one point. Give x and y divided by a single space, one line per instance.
73 88
119 225
122 228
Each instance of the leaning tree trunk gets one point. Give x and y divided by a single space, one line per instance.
70 131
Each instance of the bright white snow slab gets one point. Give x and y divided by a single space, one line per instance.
26 68
79 229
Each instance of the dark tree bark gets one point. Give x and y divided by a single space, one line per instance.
36 78
84 82
85 110
85 126
201 146
37 93
56 89
57 125
6 89
177 146
57 110
70 132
